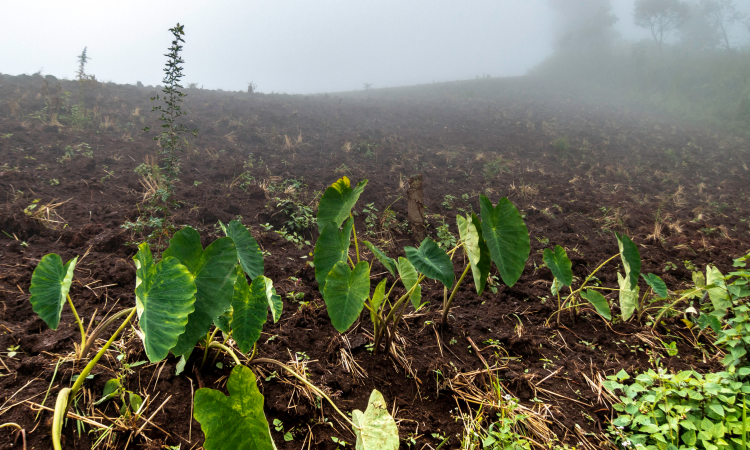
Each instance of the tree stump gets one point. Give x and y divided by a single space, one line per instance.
415 206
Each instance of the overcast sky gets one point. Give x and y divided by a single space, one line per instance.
293 46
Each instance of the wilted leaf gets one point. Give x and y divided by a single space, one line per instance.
375 428
628 297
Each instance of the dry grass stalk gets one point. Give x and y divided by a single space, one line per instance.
47 214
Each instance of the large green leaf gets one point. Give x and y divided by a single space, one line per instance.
432 261
337 202
507 237
628 297
470 231
50 284
409 277
214 272
375 428
599 302
237 421
248 250
388 262
164 298
249 311
718 294
332 246
657 284
345 293
559 264
631 259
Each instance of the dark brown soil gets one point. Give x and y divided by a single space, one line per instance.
622 171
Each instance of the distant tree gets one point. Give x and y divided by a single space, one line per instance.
722 14
82 60
661 17
585 26
698 32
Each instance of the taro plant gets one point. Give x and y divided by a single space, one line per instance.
558 262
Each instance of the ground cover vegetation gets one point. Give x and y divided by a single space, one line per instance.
606 306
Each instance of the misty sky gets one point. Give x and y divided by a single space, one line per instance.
293 46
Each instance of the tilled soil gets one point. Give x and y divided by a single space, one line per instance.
679 191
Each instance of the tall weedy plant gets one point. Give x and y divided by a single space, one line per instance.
78 112
170 140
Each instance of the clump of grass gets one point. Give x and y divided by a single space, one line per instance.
494 167
562 144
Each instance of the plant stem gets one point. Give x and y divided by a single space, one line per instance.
388 318
215 344
447 305
664 309
209 340
63 398
80 327
306 383
356 245
98 330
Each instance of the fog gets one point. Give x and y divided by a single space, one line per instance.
294 46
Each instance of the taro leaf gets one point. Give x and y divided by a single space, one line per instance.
332 246
375 428
657 284
377 299
249 311
345 293
273 299
164 297
628 297
236 421
50 284
470 231
337 202
507 238
214 272
388 262
409 277
432 261
718 293
223 321
599 303
631 259
558 262
248 250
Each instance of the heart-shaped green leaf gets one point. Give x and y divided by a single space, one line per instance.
50 284
507 237
470 231
628 297
249 311
432 261
409 277
248 250
164 297
599 302
388 262
375 428
345 293
657 284
337 202
559 264
332 246
214 272
237 421
631 259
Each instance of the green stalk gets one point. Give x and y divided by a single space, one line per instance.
80 327
215 344
63 398
388 318
447 305
664 309
744 424
306 383
356 245
209 340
